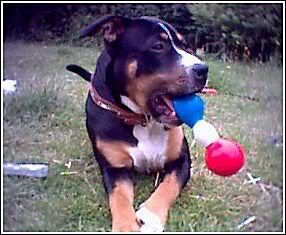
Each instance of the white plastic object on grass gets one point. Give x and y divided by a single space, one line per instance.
26 169
9 86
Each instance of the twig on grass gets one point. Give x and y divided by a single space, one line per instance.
69 173
246 222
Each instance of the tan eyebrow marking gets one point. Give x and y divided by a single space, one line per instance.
164 36
180 36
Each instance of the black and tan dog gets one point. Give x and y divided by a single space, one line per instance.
131 122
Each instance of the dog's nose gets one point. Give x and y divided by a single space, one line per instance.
201 70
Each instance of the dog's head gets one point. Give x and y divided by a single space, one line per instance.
150 64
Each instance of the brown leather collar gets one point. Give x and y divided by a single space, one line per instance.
128 117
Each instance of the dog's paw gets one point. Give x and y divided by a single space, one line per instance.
148 221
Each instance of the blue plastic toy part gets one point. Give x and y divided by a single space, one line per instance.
189 109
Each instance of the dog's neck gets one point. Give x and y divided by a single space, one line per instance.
104 81
99 77
104 84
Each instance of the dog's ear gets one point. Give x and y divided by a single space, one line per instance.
110 26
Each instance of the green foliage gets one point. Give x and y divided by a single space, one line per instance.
238 22
236 26
231 26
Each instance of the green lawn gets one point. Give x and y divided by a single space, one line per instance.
44 121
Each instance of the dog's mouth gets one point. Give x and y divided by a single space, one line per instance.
162 109
161 105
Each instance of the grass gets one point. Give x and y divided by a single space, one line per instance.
44 121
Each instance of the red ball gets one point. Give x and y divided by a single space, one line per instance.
224 157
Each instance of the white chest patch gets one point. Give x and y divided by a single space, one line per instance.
149 154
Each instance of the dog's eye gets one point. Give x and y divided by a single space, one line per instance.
187 48
158 47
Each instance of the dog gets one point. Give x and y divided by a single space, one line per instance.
130 119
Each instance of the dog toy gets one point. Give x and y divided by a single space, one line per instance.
223 157
209 91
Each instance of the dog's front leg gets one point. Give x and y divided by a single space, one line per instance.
117 173
120 189
153 213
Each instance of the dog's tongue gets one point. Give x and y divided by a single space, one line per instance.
170 111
